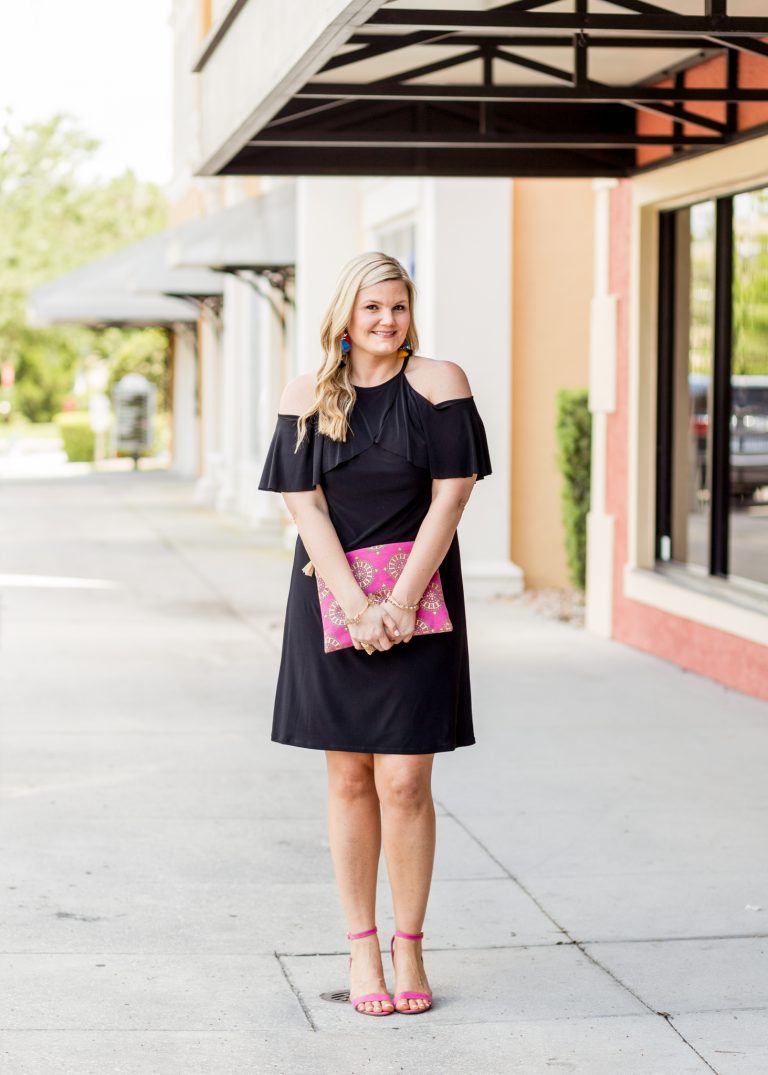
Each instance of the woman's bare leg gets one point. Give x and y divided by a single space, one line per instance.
404 785
354 832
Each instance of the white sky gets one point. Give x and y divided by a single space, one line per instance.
107 62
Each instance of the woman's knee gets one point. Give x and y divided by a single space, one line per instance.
405 790
351 778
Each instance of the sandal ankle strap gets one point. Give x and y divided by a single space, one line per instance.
409 936
365 933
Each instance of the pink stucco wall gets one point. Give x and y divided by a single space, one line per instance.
722 656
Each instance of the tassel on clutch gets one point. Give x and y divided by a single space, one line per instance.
377 569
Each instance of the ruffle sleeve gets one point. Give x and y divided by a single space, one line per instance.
457 445
287 471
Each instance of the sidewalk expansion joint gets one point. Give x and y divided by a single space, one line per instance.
507 872
572 940
296 992
668 1019
438 948
669 940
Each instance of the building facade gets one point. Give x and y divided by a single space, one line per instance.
612 180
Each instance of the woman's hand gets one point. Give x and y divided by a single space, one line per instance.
400 620
371 629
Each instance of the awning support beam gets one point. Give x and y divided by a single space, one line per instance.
377 46
392 91
746 44
565 76
604 41
670 22
497 141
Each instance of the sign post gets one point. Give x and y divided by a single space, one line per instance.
134 403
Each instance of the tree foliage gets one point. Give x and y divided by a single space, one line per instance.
750 283
53 221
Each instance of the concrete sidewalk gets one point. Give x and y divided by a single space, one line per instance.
168 906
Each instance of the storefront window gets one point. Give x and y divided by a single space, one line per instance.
712 449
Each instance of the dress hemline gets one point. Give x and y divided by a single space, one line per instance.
367 750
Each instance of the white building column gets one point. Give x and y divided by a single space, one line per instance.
329 233
209 340
465 296
231 368
602 402
269 348
184 402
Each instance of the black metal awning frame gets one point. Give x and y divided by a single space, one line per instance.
577 126
281 279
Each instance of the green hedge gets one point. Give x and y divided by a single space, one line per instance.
77 435
80 442
574 439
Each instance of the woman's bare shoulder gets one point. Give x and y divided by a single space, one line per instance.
437 379
298 394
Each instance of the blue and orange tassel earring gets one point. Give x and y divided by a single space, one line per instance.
405 350
346 344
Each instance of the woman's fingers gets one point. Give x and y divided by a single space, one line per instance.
392 629
384 635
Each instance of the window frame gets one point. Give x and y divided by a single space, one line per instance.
668 586
718 558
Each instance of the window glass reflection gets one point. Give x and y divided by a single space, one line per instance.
748 535
694 441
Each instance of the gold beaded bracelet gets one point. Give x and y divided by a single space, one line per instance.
407 608
369 600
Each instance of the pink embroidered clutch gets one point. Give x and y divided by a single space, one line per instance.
377 568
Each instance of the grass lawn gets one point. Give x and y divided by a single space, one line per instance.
47 430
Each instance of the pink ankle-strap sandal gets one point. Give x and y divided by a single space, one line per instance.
385 998
408 996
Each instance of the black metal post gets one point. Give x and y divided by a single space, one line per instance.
721 389
678 126
665 383
731 107
716 8
580 60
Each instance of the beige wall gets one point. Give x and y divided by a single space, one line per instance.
205 18
552 284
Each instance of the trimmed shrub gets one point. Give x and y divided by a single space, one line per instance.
574 439
80 442
76 432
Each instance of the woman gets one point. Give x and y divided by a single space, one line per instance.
380 445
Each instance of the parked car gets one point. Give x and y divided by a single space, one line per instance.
749 430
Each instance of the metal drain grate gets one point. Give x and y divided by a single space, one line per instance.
338 996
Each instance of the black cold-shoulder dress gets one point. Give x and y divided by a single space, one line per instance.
414 698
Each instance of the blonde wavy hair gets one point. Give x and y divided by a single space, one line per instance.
334 392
